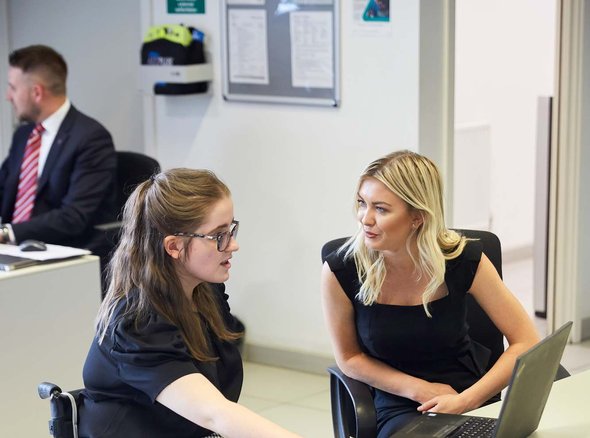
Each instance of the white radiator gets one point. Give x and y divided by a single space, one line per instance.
472 177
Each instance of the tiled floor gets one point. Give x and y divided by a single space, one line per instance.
300 401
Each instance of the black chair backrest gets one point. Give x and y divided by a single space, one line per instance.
133 168
481 327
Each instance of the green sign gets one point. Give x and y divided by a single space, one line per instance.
186 6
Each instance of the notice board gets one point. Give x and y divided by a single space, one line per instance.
283 51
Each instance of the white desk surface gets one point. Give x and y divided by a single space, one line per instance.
566 413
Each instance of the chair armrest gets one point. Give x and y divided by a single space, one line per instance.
353 410
109 226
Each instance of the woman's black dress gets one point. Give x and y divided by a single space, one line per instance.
436 349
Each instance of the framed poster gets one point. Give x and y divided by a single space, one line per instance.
282 51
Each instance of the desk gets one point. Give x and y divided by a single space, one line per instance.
566 413
46 326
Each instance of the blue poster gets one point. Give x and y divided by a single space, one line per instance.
376 10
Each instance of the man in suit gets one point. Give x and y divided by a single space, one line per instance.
58 179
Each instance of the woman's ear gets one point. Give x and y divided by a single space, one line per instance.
417 219
173 245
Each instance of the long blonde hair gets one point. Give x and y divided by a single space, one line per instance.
416 180
177 200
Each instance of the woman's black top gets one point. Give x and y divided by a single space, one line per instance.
124 374
436 349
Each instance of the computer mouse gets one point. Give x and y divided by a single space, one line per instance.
32 245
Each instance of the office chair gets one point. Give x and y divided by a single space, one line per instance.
64 410
133 168
353 411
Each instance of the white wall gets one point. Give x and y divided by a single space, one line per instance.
99 40
583 293
292 169
504 60
5 110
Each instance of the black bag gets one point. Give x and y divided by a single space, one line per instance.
174 44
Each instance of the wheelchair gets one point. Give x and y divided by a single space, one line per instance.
64 410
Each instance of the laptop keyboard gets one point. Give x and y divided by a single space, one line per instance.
476 427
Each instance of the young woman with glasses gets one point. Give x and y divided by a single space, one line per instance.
164 362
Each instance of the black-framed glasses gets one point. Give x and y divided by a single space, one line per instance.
222 238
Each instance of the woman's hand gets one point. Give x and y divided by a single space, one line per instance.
430 390
445 404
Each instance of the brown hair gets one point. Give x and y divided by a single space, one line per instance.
177 200
45 62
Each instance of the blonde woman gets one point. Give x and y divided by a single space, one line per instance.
394 300
163 362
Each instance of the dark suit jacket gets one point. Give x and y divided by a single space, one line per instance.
76 189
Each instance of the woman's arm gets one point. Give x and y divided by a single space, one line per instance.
509 316
339 316
198 400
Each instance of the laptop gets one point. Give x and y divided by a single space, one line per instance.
10 262
532 378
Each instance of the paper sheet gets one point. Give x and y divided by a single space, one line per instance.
311 49
53 252
248 50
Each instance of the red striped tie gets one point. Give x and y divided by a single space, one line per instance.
27 183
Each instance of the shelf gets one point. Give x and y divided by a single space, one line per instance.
176 74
